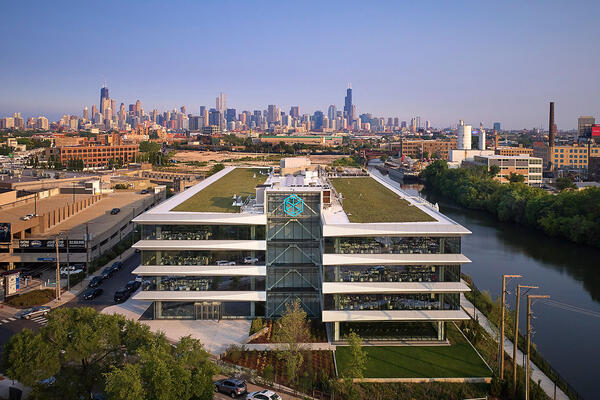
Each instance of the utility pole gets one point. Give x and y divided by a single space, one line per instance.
68 265
528 368
501 366
516 340
87 250
56 239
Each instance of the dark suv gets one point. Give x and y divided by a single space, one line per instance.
121 295
233 387
95 281
116 266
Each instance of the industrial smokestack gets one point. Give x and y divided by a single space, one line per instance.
551 126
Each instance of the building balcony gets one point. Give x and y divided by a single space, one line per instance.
394 259
192 296
165 245
201 270
394 315
394 287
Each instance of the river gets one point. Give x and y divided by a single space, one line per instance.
568 272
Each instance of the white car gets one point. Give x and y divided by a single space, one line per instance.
225 262
263 395
250 260
27 217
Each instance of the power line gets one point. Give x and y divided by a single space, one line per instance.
569 307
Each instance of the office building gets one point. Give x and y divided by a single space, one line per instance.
572 156
295 112
529 167
497 126
417 148
103 99
299 234
94 156
514 151
584 126
348 109
331 111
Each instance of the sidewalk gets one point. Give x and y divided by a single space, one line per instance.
536 375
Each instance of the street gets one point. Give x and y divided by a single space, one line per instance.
110 286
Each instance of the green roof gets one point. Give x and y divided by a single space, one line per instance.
367 201
218 196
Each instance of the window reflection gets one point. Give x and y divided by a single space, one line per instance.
392 245
382 302
392 273
203 283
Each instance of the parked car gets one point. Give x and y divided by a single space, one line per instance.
233 387
225 262
250 260
145 191
132 286
70 270
29 313
116 266
92 293
107 272
121 295
115 211
27 217
95 281
138 251
263 395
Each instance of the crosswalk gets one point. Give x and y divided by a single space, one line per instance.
39 319
7 320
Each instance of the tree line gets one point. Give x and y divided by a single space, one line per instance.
574 215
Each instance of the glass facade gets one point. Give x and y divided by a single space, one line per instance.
199 257
201 283
203 232
207 310
294 251
392 245
387 302
405 330
392 273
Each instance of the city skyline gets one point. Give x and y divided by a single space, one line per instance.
402 60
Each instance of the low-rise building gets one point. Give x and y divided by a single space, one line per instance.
571 156
514 151
94 156
529 167
417 148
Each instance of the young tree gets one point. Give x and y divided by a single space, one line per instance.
358 356
564 183
293 330
494 170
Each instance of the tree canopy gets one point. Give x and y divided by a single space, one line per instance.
88 352
574 215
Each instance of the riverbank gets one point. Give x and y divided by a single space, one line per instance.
573 215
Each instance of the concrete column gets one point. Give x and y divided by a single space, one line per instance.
440 330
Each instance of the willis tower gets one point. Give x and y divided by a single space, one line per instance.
348 104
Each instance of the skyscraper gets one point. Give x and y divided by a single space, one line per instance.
103 96
221 103
86 113
295 112
497 126
348 104
138 108
331 112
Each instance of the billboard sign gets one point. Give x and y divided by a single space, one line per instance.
12 283
596 131
5 235
49 244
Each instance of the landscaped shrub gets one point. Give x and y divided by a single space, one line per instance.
33 298
257 325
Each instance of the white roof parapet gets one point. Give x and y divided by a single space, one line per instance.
204 295
164 245
394 315
394 259
394 287
197 218
201 270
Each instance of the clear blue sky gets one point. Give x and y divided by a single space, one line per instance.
476 60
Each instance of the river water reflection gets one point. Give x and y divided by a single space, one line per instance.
569 273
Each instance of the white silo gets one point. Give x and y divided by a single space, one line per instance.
481 137
464 136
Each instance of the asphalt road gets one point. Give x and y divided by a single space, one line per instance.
109 286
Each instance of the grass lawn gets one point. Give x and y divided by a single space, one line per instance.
457 360
365 200
217 197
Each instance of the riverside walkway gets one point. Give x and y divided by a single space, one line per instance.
536 374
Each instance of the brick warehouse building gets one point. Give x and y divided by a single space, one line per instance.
94 156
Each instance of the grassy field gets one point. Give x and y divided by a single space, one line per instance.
217 197
457 360
365 200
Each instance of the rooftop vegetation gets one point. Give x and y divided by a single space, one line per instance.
218 196
366 201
